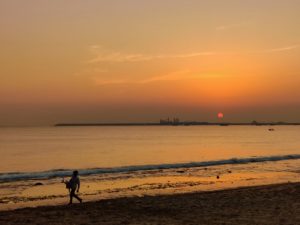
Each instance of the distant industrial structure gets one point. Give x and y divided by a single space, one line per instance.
169 121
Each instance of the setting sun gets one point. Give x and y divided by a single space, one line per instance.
220 115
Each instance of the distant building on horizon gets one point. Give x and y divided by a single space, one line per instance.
168 121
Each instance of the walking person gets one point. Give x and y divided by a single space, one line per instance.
73 185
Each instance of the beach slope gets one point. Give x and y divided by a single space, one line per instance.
272 204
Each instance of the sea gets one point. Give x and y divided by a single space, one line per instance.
35 157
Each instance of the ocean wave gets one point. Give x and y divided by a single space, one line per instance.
8 177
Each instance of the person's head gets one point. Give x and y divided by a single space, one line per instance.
75 173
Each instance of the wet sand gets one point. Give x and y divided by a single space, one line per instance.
25 193
270 204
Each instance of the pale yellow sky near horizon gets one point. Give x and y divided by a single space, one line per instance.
137 60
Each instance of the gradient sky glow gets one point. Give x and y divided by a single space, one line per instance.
138 60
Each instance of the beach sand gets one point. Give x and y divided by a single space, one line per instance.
269 204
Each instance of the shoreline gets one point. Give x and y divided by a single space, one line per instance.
266 204
43 192
61 173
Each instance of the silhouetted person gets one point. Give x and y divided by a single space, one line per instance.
74 184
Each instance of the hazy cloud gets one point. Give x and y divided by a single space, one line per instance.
175 76
232 26
168 77
106 56
281 49
102 55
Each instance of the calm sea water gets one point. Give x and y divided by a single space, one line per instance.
58 148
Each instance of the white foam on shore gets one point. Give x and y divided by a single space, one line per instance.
9 177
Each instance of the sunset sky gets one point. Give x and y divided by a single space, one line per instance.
142 60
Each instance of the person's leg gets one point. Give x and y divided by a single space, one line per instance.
72 193
76 196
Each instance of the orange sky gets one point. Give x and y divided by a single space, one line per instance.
138 60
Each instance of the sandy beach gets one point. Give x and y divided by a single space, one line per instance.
269 204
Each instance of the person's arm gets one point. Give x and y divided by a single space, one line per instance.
78 186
